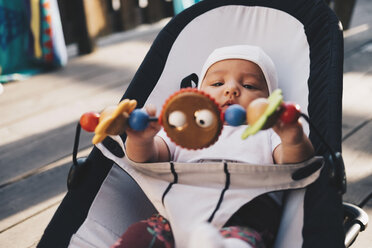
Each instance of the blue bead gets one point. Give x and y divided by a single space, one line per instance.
235 115
138 120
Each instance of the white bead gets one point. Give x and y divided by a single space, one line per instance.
177 119
204 118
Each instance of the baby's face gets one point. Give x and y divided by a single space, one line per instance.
234 81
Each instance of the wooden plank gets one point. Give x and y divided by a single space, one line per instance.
87 76
41 104
360 29
59 106
21 157
358 160
359 60
23 199
79 79
357 88
41 127
28 233
31 195
41 143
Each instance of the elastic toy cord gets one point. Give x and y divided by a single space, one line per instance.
337 172
76 144
139 119
153 118
318 134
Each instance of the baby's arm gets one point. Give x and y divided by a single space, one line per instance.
145 146
295 147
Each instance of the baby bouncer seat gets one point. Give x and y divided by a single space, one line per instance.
304 39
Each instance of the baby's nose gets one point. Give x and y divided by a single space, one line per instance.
231 91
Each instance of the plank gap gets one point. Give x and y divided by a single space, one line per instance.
356 129
59 162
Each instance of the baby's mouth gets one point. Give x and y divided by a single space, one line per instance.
228 103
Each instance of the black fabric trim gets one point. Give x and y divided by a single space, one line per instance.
113 147
227 185
175 180
187 81
305 172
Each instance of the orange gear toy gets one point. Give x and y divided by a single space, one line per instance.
191 119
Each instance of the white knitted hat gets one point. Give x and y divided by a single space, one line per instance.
246 52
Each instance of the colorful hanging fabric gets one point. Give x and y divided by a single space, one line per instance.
31 38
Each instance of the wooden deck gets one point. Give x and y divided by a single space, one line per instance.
38 132
39 116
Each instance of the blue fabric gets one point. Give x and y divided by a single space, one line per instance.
19 39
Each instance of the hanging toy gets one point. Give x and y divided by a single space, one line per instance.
262 113
191 119
112 120
290 113
89 121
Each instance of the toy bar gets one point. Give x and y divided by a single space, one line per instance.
191 118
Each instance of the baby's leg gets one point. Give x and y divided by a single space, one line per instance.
154 232
246 234
207 236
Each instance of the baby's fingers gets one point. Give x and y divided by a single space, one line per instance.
150 109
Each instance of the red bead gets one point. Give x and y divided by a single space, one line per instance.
291 113
89 121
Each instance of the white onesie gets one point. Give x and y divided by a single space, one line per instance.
256 149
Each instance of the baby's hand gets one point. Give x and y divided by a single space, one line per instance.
147 135
288 126
145 146
296 146
289 133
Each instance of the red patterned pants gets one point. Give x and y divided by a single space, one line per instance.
156 232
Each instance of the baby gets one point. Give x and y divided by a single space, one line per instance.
231 75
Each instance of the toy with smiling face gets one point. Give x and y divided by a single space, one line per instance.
191 119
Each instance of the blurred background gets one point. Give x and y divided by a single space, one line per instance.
34 33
